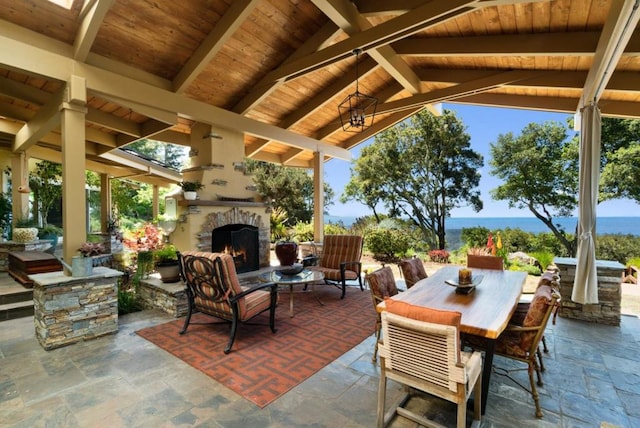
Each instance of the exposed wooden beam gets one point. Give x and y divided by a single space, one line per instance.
253 149
290 156
46 119
453 92
553 104
347 17
397 7
541 44
621 22
429 14
89 26
110 84
266 85
222 32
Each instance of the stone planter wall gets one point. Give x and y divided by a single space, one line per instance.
68 310
168 297
607 310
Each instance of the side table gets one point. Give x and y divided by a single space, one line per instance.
302 278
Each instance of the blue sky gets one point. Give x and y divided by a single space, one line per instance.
484 124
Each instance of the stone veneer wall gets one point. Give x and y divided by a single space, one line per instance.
607 310
11 246
168 297
236 216
71 309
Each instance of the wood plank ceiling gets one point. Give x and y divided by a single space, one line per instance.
277 69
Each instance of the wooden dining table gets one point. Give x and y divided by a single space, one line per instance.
486 310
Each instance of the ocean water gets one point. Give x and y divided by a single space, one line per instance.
604 225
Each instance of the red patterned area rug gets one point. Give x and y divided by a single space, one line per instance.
272 364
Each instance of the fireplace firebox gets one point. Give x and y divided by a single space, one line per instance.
241 242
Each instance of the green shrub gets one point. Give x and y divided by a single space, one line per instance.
617 247
545 258
475 236
335 229
547 241
634 261
387 245
529 269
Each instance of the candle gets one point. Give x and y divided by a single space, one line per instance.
464 276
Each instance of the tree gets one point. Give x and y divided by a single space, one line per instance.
539 169
290 189
46 184
170 155
419 170
620 159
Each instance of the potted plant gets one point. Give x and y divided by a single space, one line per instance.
25 230
50 232
82 265
167 263
190 189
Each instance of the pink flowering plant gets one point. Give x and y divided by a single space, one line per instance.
90 249
147 237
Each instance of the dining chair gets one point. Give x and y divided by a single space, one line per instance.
520 340
421 350
551 279
412 270
485 262
382 285
213 289
340 260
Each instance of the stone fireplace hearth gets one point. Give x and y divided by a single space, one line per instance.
235 216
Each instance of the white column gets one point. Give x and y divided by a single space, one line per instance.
318 196
74 201
105 201
155 205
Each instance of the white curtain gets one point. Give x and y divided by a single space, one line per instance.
585 286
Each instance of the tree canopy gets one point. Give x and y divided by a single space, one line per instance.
46 184
421 170
288 188
171 155
539 173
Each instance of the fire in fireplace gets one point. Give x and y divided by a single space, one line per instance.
239 240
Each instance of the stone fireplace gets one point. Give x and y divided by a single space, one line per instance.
241 242
238 223
228 203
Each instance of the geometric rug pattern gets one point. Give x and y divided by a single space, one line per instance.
262 365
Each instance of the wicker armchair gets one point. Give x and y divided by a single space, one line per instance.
213 288
382 285
340 260
421 349
413 271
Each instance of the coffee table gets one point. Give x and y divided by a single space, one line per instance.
303 278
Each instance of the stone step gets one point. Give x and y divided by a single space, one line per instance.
13 294
16 301
15 310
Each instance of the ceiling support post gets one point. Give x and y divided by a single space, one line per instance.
74 199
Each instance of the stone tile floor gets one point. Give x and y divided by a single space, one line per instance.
592 379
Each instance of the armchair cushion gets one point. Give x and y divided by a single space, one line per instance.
421 313
340 248
382 283
519 343
413 270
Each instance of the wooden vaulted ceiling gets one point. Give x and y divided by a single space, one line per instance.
277 69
